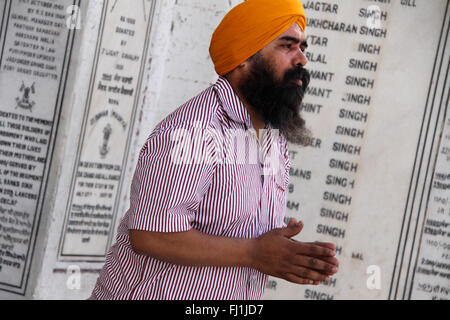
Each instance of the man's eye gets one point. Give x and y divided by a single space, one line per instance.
288 46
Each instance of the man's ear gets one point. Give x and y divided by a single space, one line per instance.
244 66
240 70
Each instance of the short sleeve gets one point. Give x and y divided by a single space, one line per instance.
174 171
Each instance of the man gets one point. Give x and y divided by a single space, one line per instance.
213 229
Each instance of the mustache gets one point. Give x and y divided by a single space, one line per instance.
298 73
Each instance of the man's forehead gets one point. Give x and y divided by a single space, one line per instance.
295 32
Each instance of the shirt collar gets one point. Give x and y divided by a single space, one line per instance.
231 103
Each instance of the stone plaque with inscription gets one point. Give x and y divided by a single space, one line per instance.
35 53
110 112
375 178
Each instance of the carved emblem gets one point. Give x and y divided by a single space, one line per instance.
25 101
104 149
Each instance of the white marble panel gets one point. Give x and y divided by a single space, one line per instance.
104 144
35 51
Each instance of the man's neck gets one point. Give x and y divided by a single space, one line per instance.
257 121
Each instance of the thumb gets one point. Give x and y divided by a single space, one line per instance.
293 228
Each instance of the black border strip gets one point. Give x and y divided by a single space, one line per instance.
49 156
3 19
6 29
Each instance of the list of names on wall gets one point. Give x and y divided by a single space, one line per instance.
107 128
32 73
341 186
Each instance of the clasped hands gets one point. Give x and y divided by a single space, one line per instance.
276 254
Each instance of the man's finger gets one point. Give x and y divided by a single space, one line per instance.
328 245
331 260
292 229
309 274
292 222
316 264
312 249
299 280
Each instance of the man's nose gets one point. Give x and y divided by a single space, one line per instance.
300 58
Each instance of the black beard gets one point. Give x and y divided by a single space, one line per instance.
278 102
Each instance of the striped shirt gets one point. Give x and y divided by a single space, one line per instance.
202 167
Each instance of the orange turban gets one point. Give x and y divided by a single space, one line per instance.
249 27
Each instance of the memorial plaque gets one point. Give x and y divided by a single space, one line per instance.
35 53
422 257
431 270
103 147
375 178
